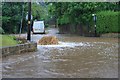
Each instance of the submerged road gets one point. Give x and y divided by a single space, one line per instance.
73 57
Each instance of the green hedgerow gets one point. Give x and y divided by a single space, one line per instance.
107 22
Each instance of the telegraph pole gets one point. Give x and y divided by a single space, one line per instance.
29 22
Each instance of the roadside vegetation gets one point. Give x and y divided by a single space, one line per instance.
77 17
8 40
14 19
108 22
72 17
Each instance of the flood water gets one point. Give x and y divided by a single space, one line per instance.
73 57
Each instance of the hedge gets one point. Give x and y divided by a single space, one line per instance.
107 22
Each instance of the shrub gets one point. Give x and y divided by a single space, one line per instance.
64 20
107 22
46 25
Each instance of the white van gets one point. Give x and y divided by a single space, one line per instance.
38 27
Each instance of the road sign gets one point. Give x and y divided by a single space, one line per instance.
27 17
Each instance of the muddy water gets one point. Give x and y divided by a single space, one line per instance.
74 57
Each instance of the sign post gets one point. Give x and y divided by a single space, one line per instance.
95 18
29 22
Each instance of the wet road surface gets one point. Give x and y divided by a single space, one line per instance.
73 57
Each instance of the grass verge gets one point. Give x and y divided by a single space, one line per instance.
7 40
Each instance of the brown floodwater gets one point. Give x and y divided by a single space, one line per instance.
73 57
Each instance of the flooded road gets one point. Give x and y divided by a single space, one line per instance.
73 57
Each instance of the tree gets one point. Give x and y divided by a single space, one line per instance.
11 16
79 12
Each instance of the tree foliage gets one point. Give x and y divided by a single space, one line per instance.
63 12
79 12
11 16
78 15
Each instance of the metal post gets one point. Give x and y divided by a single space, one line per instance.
29 22
95 25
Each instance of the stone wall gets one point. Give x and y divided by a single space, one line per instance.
111 35
21 48
76 29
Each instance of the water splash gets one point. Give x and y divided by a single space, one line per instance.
67 44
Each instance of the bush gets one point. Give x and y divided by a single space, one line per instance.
64 20
1 31
107 22
46 25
